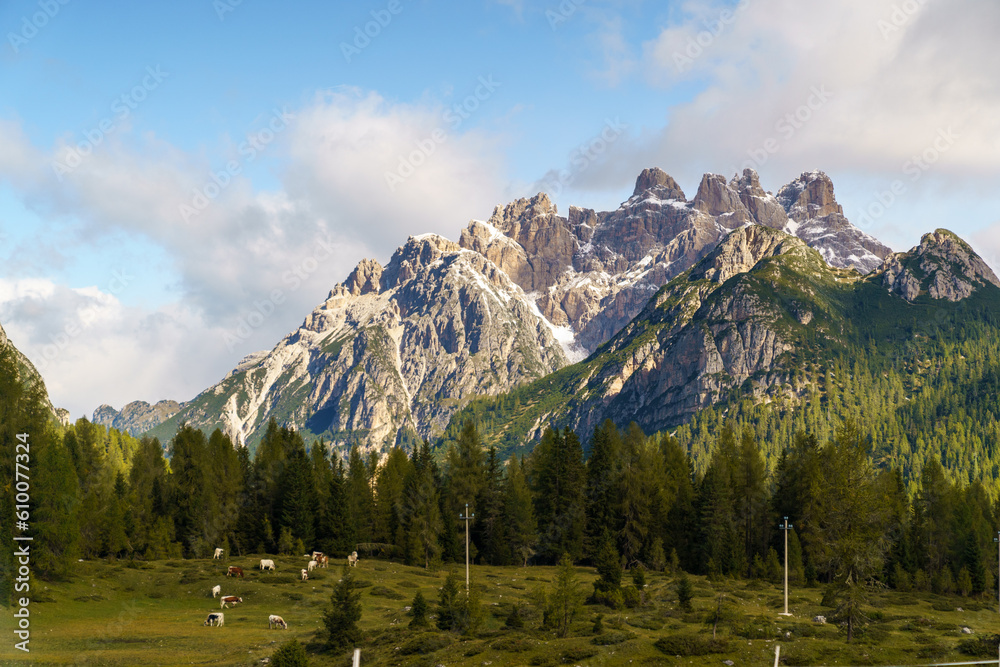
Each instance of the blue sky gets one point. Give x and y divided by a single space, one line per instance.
167 171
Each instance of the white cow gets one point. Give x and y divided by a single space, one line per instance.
218 554
216 618
216 590
266 563
316 555
311 566
305 575
276 622
352 560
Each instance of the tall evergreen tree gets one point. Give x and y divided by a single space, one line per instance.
558 480
520 528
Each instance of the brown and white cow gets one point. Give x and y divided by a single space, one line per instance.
234 571
274 621
322 560
215 618
316 555
305 575
230 599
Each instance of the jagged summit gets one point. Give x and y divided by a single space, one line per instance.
943 266
399 347
656 180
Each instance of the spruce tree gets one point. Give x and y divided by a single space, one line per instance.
341 619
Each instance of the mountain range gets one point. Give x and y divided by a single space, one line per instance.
652 311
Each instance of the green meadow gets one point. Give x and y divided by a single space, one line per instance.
120 613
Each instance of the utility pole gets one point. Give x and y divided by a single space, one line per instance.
466 518
786 527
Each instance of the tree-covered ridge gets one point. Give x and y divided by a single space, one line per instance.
922 375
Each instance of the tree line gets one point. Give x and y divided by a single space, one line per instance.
620 497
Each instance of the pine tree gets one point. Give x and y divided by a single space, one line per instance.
558 479
419 611
604 483
420 516
854 521
566 598
341 619
290 654
518 515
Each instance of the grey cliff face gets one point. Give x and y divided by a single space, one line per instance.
445 325
943 266
816 217
705 333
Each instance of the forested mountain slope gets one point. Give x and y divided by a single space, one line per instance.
764 333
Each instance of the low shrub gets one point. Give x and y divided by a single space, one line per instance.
691 645
983 646
646 622
513 644
612 638
574 655
425 643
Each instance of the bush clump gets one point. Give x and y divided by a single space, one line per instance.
612 638
984 646
425 643
691 645
513 644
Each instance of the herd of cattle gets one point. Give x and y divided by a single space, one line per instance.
217 618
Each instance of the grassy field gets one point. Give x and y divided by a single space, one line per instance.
131 614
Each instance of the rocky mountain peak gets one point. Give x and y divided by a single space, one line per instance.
365 278
417 253
136 417
716 198
942 266
809 196
504 218
742 250
763 207
656 179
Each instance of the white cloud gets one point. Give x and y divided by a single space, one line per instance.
891 90
253 256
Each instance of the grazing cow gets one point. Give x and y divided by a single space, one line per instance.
276 622
235 571
305 575
218 555
230 599
216 618
266 563
322 560
311 566
352 560
216 590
